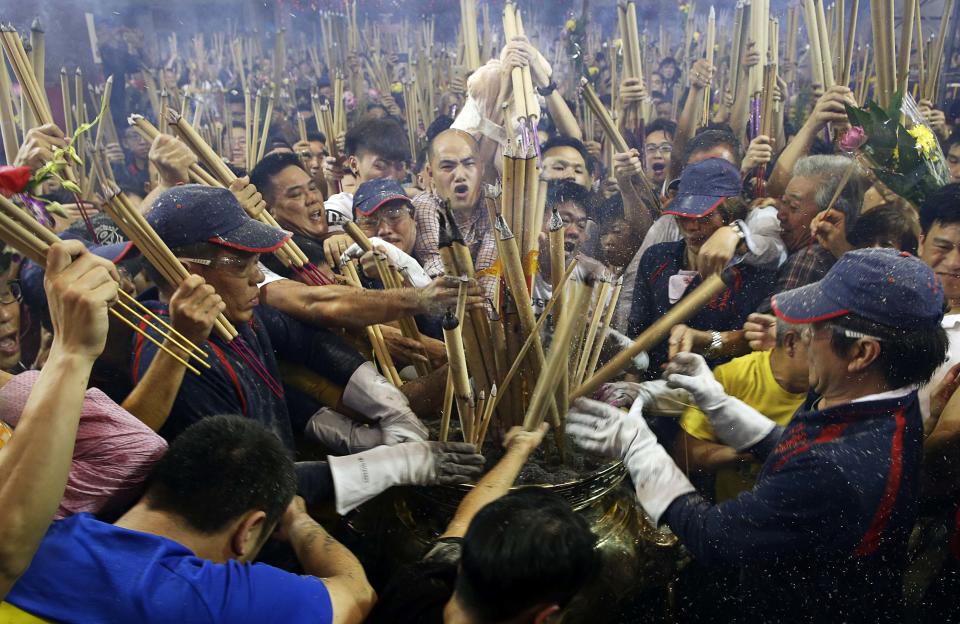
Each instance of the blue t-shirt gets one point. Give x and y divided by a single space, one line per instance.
89 571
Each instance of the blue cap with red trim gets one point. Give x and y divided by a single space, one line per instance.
373 194
704 186
193 213
882 285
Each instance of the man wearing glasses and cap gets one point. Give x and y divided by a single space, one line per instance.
823 534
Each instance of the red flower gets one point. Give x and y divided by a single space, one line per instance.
13 179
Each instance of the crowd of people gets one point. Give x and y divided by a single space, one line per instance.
799 433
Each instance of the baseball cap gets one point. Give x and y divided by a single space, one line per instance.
703 186
193 213
882 285
373 194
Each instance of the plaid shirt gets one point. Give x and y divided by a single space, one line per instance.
477 232
803 267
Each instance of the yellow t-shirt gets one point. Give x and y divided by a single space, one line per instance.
750 379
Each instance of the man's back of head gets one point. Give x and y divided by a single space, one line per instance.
219 470
524 553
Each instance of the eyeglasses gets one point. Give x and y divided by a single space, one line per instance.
393 215
806 334
240 267
12 293
664 148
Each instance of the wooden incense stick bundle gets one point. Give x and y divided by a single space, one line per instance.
374 333
457 360
391 278
935 60
906 45
604 329
557 361
32 239
823 37
848 48
710 45
516 74
653 335
8 129
813 36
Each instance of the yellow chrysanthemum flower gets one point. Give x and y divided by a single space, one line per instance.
926 142
593 71
571 24
396 88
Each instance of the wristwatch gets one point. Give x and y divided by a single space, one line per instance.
716 345
547 90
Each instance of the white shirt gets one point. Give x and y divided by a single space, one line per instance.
951 324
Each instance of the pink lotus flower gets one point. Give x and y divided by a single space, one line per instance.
853 139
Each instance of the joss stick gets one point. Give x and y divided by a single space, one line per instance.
655 333
479 411
147 130
487 413
557 361
611 132
906 46
711 43
301 127
555 238
38 43
823 36
265 132
604 328
935 60
838 16
737 46
921 69
851 37
791 50
457 361
447 409
592 327
373 334
8 129
813 36
253 145
516 74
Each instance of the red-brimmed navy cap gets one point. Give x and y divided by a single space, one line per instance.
193 213
883 285
704 186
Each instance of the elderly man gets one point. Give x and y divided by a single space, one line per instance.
823 534
209 232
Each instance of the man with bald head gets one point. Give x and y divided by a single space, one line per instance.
454 173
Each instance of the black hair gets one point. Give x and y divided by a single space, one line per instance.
438 125
220 468
527 548
268 168
908 355
710 138
942 206
314 135
610 210
384 137
563 191
565 141
885 225
666 126
952 140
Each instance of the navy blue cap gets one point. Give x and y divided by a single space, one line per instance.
373 194
882 285
704 186
193 213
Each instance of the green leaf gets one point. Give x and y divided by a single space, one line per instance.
70 186
57 209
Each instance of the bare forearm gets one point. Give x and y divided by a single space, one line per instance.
341 306
702 457
492 486
35 463
794 151
685 129
152 398
562 117
324 557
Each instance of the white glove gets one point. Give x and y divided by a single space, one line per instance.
340 434
640 361
656 398
375 398
735 423
600 428
360 477
409 267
